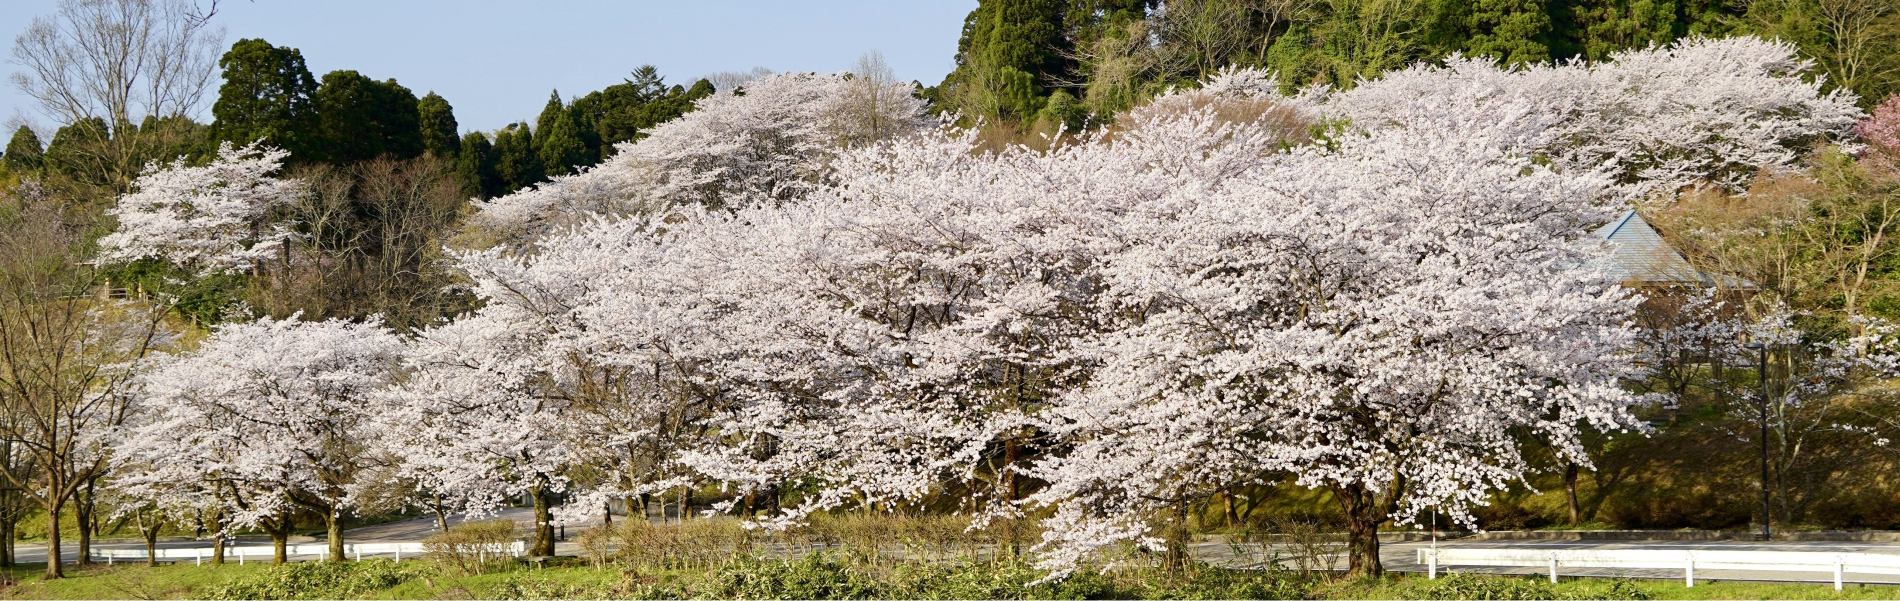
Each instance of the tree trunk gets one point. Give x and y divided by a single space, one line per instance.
6 537
82 514
151 545
1570 493
543 523
1233 516
280 542
1363 516
53 558
333 526
217 546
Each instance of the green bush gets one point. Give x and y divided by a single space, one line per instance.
319 580
1476 587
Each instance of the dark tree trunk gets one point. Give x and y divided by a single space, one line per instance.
1570 492
53 559
543 523
1233 516
82 518
333 526
1364 512
151 544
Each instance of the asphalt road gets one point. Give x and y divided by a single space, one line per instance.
1399 557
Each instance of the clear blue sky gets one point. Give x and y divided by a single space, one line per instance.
496 60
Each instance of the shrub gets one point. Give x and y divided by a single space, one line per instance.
1474 586
319 580
473 547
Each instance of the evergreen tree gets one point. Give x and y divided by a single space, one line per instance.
363 118
558 144
438 126
1594 29
475 165
267 95
1009 49
75 149
516 165
1513 31
24 152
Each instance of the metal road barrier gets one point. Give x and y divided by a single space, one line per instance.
1686 560
321 550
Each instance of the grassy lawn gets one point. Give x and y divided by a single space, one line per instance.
187 581
1418 587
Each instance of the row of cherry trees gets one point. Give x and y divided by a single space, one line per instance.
1373 292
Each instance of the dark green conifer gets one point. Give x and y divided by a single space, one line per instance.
267 95
438 126
475 165
363 118
516 165
24 151
558 143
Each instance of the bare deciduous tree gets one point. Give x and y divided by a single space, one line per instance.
127 66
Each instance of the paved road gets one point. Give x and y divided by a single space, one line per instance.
1400 557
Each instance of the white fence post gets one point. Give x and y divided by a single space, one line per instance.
1838 568
200 555
398 553
1431 565
1688 572
109 556
1553 568
240 551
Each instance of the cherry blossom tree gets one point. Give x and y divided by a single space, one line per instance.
1701 111
768 142
266 418
212 218
1881 130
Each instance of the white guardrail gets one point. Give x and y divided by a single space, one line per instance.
321 550
1686 560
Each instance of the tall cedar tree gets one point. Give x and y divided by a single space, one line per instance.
67 154
623 112
1010 49
475 165
438 126
24 151
515 162
267 95
558 144
363 118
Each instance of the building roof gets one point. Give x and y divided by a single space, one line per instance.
1642 257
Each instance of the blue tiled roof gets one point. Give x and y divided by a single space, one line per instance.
1643 257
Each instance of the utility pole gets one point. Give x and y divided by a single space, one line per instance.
1762 372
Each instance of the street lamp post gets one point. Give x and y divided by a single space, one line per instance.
1762 372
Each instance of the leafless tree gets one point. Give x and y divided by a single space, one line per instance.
64 359
125 67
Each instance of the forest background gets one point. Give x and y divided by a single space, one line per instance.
392 179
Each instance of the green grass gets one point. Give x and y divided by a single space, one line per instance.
1526 587
428 584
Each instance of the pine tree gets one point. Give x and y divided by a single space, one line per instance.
24 152
516 165
558 146
438 126
475 165
267 95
